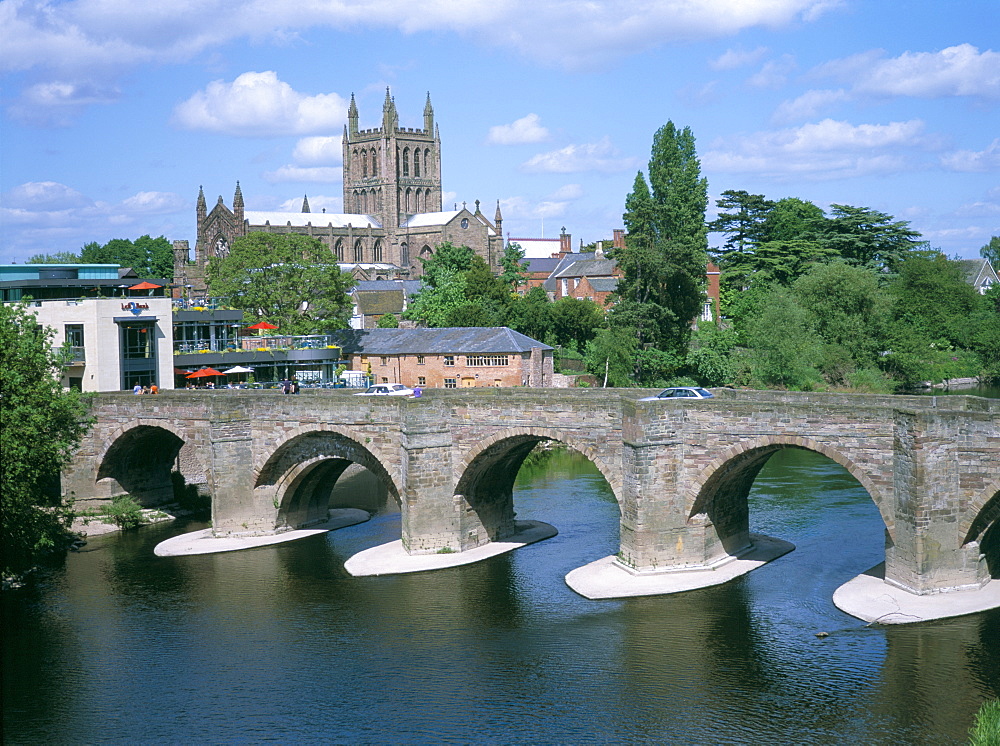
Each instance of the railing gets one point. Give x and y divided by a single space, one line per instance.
250 344
200 304
74 355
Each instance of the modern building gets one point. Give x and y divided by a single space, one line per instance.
117 328
464 357
393 214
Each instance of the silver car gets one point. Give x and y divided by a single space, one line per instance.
386 389
681 392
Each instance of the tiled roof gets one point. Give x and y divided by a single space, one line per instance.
445 341
603 284
426 219
410 287
588 268
976 271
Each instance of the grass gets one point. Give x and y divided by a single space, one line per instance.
986 731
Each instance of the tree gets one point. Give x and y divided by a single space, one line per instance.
512 274
387 321
287 279
872 239
149 257
786 351
610 357
744 226
59 257
575 322
41 426
433 304
531 314
665 252
991 251
792 218
446 261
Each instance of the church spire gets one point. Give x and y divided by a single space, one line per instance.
202 207
238 203
428 115
498 219
352 117
390 119
305 204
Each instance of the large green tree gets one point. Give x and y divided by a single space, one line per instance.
991 251
872 239
41 425
741 220
59 257
149 257
666 248
286 279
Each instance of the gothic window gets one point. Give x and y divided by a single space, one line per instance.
409 198
416 161
404 254
339 250
374 163
427 158
221 246
406 162
359 251
377 252
364 166
426 253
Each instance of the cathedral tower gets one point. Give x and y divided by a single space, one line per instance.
392 172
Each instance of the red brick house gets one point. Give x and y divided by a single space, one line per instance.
456 357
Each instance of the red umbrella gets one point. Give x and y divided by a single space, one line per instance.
205 372
145 286
262 325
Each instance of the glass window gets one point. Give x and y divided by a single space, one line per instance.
137 342
449 360
74 335
421 381
451 383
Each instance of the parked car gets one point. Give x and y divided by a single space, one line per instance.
681 392
386 389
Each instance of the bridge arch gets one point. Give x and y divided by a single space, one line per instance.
485 475
720 490
982 525
302 469
140 457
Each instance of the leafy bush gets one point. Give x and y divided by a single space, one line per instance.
125 512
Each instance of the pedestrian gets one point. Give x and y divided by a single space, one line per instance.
137 389
145 390
295 386
417 392
153 388
286 386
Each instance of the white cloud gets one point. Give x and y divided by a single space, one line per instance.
259 105
319 151
823 150
58 102
569 191
527 129
599 156
808 105
47 216
520 208
961 70
774 73
734 58
317 174
974 161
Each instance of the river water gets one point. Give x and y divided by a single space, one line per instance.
280 645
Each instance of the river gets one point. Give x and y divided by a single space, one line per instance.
279 644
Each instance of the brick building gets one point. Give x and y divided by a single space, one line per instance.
462 357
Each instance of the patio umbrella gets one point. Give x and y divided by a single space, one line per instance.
238 369
144 285
205 372
262 325
180 372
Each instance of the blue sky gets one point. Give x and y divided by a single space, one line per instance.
114 112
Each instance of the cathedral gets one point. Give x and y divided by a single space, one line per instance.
392 217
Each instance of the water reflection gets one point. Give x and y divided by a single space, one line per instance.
280 644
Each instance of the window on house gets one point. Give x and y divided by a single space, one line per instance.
449 360
421 381
451 383
420 359
385 380
385 360
486 360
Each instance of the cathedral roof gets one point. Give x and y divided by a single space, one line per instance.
316 219
426 219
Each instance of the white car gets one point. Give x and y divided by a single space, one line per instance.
386 389
681 392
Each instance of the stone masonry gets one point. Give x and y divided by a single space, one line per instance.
681 472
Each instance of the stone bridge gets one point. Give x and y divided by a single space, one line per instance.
680 471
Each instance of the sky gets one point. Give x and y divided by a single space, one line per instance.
114 113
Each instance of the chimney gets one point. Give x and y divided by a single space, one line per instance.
565 242
619 239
